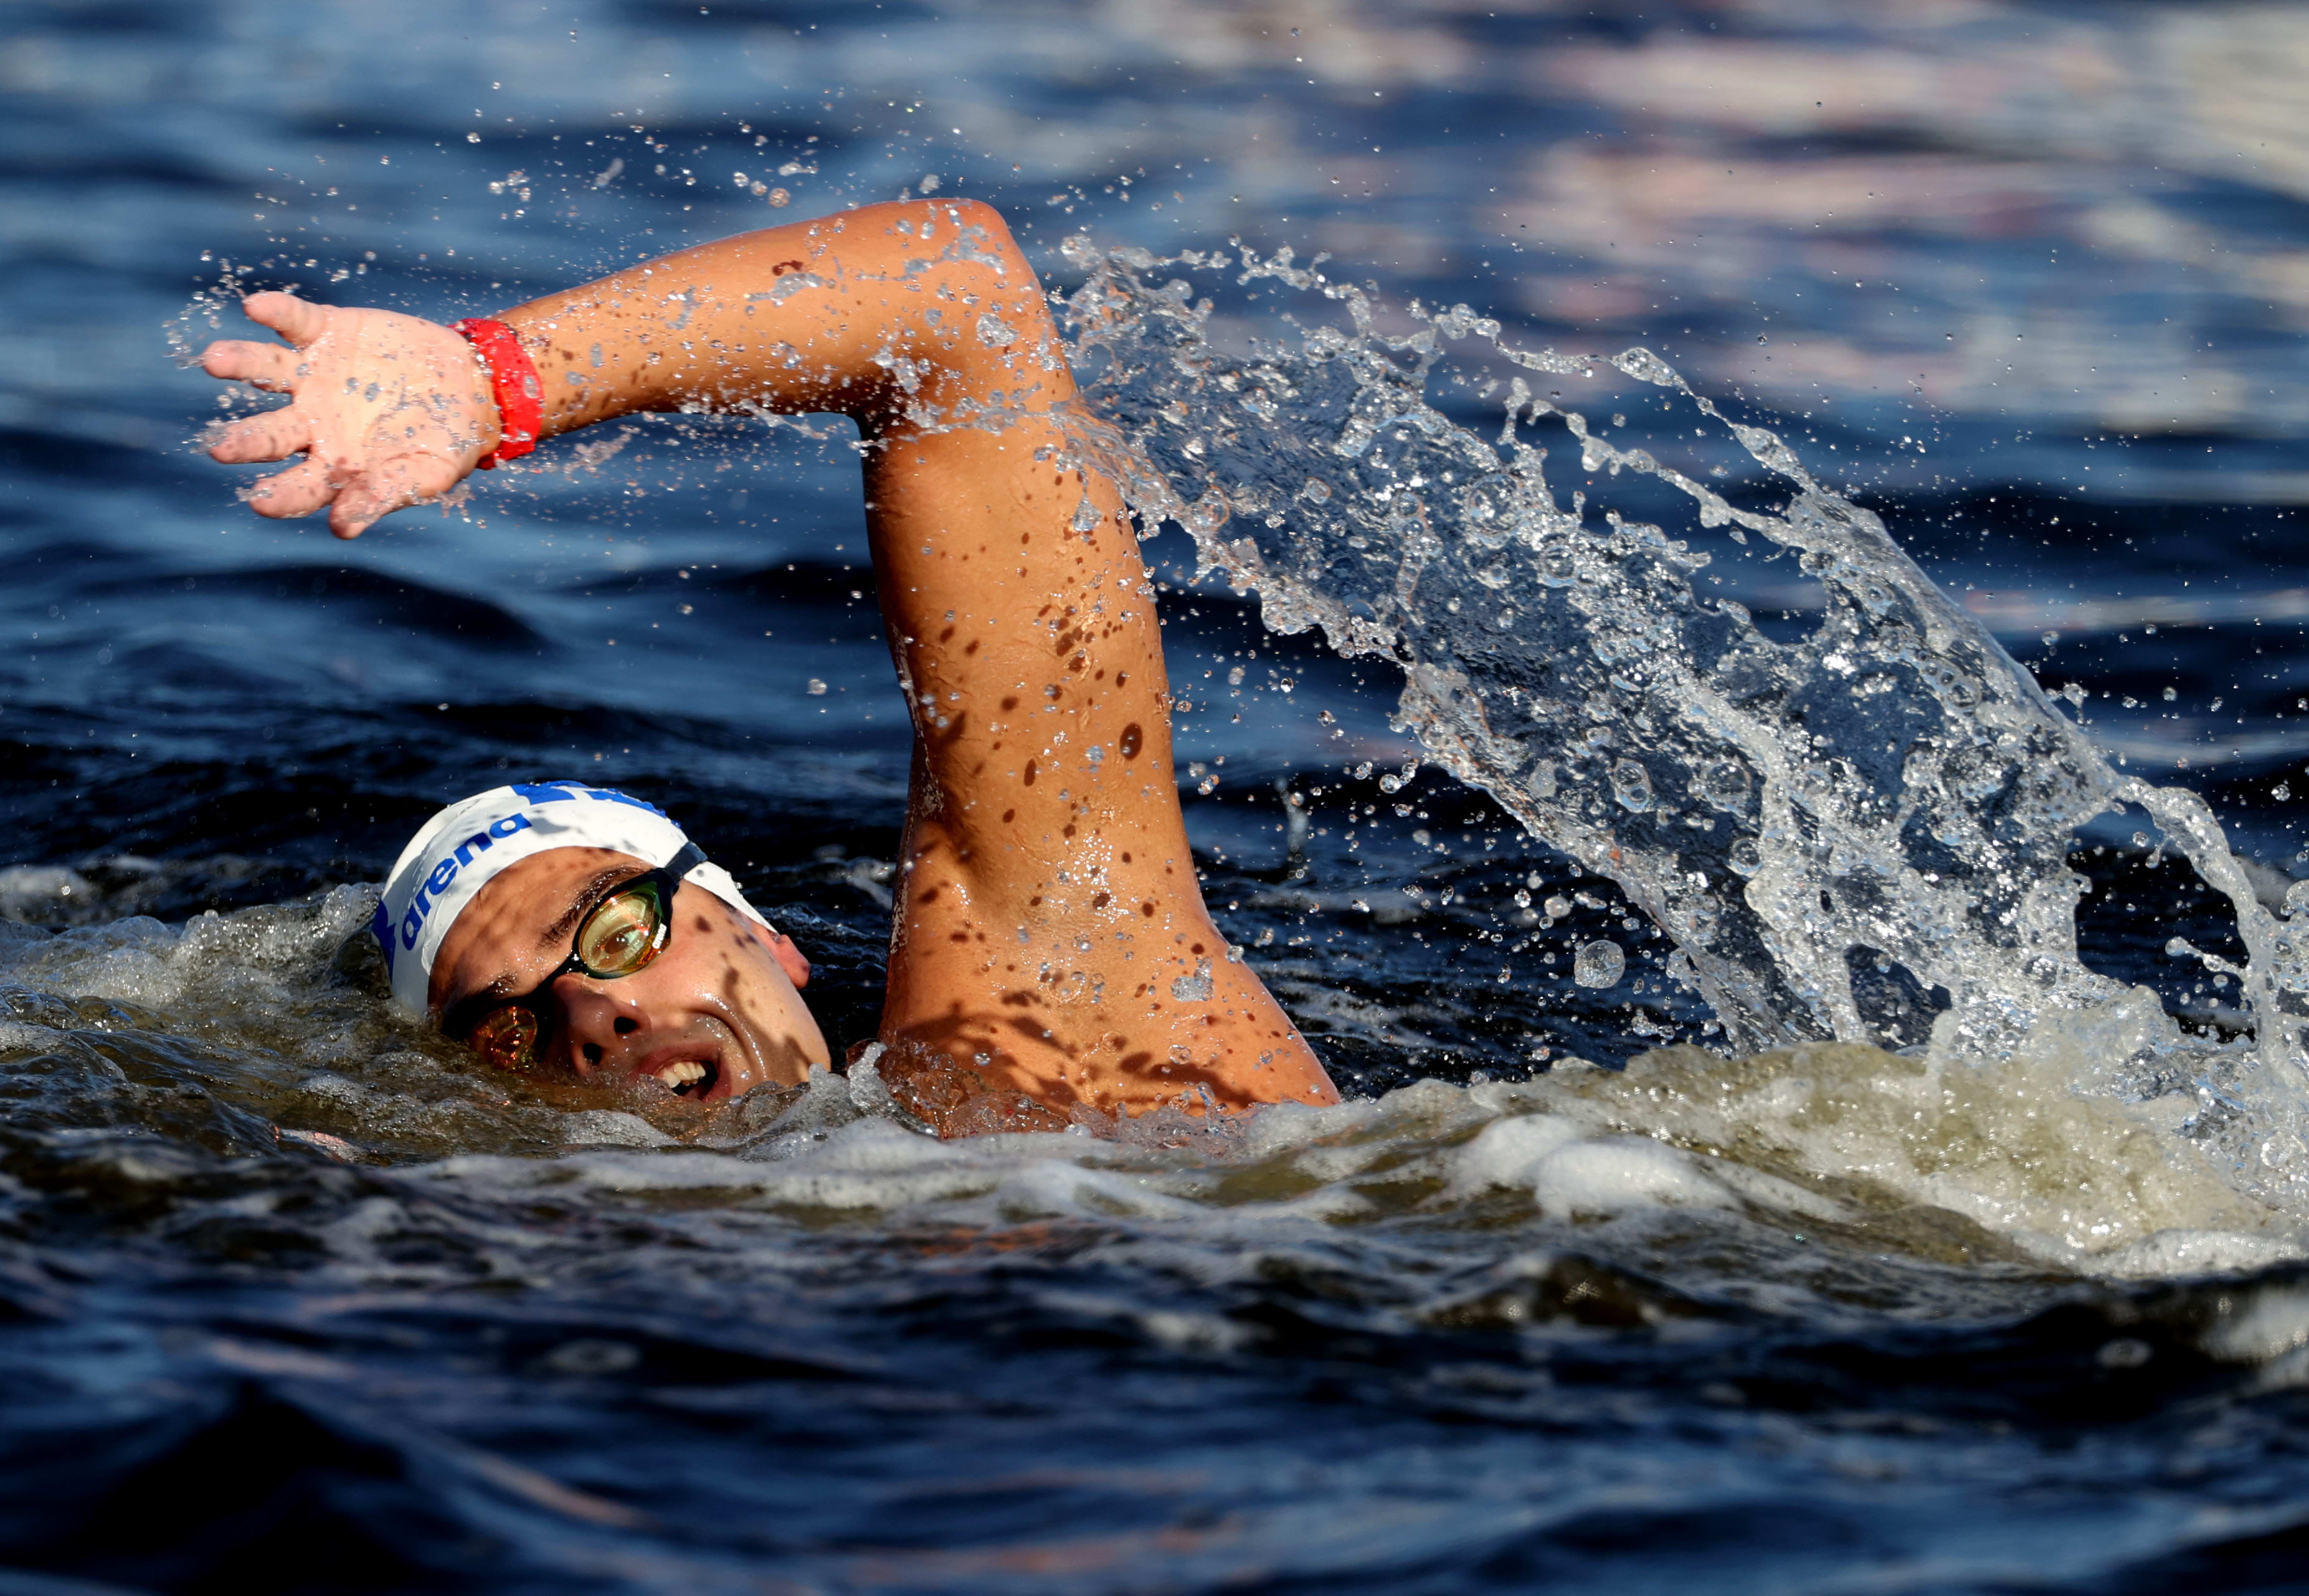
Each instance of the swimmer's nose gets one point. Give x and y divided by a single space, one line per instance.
604 1031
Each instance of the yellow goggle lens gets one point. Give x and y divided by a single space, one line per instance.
622 935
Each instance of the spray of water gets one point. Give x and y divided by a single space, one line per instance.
1857 835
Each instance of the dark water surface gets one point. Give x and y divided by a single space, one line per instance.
292 1300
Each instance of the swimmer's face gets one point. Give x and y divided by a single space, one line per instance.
722 996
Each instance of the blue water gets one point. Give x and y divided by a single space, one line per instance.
291 1301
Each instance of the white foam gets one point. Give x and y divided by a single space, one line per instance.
1772 1193
1040 1187
18 1038
2021 1146
2272 1321
606 1127
1619 1175
2169 1253
871 1165
44 893
2039 1149
217 958
1284 1127
1678 1132
1505 1151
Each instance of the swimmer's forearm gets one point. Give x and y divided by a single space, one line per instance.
886 314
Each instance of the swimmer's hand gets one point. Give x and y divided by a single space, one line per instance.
388 410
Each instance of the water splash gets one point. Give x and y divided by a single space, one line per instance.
1858 834
186 1058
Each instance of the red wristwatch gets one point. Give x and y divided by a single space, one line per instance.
513 378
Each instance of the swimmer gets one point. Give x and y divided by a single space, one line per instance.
1050 950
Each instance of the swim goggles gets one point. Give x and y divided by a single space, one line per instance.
620 936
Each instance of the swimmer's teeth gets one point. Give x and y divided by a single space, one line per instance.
678 1075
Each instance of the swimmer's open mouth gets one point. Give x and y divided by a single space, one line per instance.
691 1077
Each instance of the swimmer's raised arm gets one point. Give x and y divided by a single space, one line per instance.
1051 939
880 313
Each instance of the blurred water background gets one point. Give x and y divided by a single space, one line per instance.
290 1300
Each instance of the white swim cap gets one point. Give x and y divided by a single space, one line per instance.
457 852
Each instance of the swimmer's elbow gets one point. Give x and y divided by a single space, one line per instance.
978 222
984 227
979 214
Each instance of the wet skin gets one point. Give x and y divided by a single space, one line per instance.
722 995
1051 950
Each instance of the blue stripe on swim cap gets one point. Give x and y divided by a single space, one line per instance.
556 791
380 927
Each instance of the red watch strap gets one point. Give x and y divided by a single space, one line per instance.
513 378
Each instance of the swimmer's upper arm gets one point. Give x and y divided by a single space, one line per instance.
1052 937
1029 645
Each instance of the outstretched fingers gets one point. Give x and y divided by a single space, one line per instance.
275 436
267 365
299 490
388 486
297 320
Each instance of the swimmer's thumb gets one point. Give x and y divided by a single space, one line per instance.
387 485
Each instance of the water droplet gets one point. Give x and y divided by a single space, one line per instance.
1599 963
1644 367
1195 988
1724 784
1631 784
